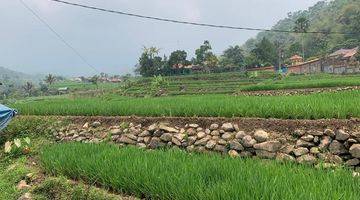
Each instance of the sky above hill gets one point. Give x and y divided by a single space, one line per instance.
112 43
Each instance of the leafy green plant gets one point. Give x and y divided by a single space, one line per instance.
17 147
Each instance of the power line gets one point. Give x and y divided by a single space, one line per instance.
58 36
195 23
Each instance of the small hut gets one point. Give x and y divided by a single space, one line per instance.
296 59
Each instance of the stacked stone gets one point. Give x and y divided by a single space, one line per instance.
328 146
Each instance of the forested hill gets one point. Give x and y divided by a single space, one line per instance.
10 76
324 16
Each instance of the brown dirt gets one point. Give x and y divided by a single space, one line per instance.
289 92
246 124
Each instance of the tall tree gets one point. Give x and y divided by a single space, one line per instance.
302 25
150 63
203 53
265 52
50 79
232 56
28 88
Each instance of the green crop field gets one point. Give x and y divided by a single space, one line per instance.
175 174
314 106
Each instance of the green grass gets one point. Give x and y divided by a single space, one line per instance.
175 174
314 106
298 82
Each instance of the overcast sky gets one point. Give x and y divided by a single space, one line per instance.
113 43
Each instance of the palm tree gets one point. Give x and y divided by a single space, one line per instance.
302 25
50 79
28 87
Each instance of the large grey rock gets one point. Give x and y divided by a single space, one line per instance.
167 129
152 127
299 133
300 151
176 141
265 154
202 141
341 135
115 131
210 144
214 127
96 124
316 133
284 157
235 145
228 127
353 162
337 148
271 146
302 143
126 140
306 159
200 135
220 148
248 141
240 135
180 136
227 136
324 143
155 142
307 138
329 133
261 135
355 150
215 133
233 154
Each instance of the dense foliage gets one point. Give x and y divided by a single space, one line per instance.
324 16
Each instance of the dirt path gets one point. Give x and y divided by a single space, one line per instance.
246 124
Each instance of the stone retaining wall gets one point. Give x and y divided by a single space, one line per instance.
332 146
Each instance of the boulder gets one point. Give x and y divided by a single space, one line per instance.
314 150
248 141
210 144
284 157
215 133
180 136
233 154
155 142
271 146
329 132
200 135
353 162
152 127
302 143
287 148
222 142
307 138
261 135
341 135
96 124
324 143
240 135
220 148
126 140
355 150
316 133
176 141
214 127
235 145
337 148
193 126
300 151
202 141
227 136
306 159
228 127
167 129
145 133
299 133
265 154
116 131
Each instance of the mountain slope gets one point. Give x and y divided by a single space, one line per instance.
325 16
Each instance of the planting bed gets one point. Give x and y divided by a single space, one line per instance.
176 175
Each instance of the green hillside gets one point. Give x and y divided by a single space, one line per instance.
324 16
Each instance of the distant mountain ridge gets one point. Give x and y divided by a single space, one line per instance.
11 76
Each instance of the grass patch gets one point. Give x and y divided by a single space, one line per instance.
315 106
175 174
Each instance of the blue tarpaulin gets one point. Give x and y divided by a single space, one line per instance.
6 114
